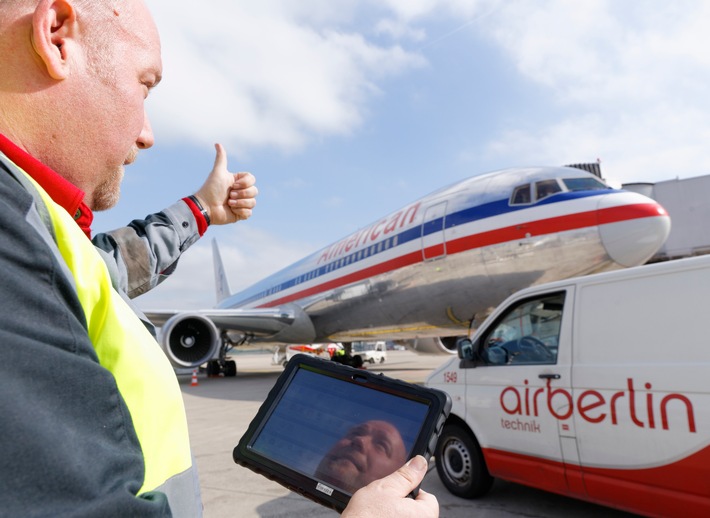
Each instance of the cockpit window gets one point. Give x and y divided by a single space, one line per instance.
521 195
546 188
584 184
525 194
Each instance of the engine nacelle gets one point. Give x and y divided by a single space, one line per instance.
189 340
433 345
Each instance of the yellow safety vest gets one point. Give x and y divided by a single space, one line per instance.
143 374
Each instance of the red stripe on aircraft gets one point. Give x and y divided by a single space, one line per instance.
627 212
491 237
551 225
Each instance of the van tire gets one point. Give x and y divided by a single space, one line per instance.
460 463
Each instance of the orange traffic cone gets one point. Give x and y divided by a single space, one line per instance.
194 378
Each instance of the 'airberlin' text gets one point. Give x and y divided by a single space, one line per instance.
593 407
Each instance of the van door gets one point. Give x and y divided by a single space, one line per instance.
516 393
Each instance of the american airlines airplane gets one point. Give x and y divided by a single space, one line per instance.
425 274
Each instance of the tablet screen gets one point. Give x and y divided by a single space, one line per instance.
342 433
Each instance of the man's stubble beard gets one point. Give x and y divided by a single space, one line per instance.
108 193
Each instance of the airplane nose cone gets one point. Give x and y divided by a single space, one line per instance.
632 227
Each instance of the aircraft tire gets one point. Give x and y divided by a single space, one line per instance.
230 369
213 368
460 463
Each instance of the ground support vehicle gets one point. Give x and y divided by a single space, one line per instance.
594 387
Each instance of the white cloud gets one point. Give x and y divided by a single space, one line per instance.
626 81
265 75
593 50
462 10
399 30
618 75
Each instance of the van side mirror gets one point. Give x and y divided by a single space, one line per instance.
465 349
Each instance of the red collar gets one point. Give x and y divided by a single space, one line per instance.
59 189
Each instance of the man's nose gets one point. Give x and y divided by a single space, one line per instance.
145 138
358 443
362 443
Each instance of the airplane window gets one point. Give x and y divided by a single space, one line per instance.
527 334
547 188
584 184
521 195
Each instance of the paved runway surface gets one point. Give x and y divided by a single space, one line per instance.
220 409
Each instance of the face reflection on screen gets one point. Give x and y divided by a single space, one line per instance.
368 451
341 433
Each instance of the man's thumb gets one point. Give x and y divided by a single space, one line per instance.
409 476
220 159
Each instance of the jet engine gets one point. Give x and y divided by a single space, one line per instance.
189 340
433 345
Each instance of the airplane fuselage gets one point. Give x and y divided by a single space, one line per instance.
427 269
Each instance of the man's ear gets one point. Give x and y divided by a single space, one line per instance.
54 27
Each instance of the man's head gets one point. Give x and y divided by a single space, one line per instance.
74 86
368 452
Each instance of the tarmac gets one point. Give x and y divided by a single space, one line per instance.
220 409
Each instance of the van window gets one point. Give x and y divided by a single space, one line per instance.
527 333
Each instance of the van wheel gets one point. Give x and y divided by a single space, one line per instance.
460 463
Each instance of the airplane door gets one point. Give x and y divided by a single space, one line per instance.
433 232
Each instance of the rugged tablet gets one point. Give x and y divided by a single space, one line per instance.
327 429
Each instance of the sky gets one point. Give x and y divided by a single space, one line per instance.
347 110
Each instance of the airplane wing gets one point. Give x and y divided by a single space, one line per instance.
159 316
265 323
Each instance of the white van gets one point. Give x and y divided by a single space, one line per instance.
596 388
370 351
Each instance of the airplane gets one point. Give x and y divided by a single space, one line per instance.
424 275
